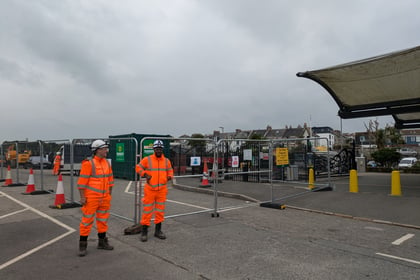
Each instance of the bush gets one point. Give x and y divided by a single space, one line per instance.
386 157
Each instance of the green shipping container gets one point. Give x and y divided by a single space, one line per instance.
122 152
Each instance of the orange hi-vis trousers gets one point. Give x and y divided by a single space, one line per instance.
153 202
98 207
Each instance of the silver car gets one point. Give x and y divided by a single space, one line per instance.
407 152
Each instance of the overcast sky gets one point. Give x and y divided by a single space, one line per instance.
85 69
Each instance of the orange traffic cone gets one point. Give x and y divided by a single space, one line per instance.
8 180
205 179
59 193
30 187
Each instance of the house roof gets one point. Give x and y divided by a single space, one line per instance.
383 85
294 132
275 133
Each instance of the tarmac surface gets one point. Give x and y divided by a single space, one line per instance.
319 235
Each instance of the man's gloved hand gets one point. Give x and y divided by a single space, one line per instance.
148 177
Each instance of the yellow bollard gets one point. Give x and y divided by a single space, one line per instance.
354 184
311 179
395 183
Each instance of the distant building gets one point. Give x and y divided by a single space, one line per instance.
327 137
411 136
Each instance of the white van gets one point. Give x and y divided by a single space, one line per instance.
80 153
407 162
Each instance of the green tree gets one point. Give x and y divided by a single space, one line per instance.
256 136
386 157
198 145
380 139
383 137
393 136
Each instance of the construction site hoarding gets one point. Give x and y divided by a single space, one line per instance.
123 156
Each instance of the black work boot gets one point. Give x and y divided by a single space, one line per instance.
82 248
143 236
158 233
103 244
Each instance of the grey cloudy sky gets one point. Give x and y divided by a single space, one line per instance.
80 69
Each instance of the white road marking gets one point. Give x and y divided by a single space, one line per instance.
127 189
187 204
229 208
402 239
375 228
70 230
398 258
13 213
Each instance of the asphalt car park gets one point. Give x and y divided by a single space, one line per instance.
245 241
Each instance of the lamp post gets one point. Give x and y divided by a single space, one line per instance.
341 133
225 151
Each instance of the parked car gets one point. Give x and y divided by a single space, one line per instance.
371 163
407 152
35 163
407 162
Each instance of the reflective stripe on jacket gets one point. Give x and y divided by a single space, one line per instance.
158 168
96 177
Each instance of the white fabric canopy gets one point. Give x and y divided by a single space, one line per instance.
382 85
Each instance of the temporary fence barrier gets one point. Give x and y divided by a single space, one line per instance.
295 164
2 162
187 156
253 162
15 158
244 160
47 152
121 152
267 167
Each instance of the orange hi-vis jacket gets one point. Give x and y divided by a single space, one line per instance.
57 162
96 177
159 168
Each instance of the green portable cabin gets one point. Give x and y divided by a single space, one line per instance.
122 151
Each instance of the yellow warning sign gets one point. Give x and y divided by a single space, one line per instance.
282 156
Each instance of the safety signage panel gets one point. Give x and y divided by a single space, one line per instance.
120 152
195 161
282 156
148 147
247 154
235 161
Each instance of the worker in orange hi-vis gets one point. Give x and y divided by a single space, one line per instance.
95 187
157 170
57 162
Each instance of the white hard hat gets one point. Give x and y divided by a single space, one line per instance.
158 144
58 153
98 144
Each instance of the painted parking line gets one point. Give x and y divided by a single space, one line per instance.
27 207
13 213
398 258
229 208
375 228
187 204
128 190
399 241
